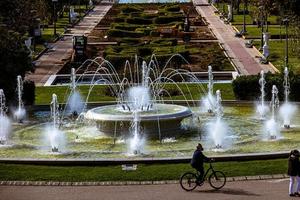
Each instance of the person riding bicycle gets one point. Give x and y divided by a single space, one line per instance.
198 159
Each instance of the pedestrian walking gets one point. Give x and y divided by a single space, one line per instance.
293 172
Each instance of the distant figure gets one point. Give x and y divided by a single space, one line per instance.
293 172
198 160
74 115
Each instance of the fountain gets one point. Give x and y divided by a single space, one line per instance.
209 101
218 128
137 142
75 102
262 109
54 136
20 113
5 125
271 126
287 110
141 95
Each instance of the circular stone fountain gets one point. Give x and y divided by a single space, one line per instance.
113 120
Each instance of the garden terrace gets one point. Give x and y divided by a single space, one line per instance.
146 29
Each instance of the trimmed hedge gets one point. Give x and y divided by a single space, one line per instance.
168 19
124 26
173 8
131 9
139 20
248 88
144 51
119 19
165 42
118 61
123 33
129 41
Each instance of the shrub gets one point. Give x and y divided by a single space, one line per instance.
150 16
165 42
124 26
119 19
28 92
129 41
123 33
131 9
139 20
117 61
154 33
248 88
144 51
173 8
135 14
146 31
168 19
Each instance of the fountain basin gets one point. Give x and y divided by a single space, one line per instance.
164 119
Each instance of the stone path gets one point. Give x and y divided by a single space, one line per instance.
245 59
240 190
60 52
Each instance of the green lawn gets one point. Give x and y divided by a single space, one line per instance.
154 172
255 33
48 33
239 18
277 54
99 93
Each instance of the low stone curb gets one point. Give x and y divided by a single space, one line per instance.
122 183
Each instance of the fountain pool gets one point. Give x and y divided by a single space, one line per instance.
87 142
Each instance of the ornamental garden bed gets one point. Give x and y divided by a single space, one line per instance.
145 29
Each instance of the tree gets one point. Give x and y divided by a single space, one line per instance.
15 21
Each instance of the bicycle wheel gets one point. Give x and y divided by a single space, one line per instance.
217 180
188 181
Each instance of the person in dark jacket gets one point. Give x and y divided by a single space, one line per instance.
198 159
293 172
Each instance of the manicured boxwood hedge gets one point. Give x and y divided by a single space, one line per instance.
248 88
168 19
123 33
139 20
131 9
173 8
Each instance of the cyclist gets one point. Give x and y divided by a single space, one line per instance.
198 159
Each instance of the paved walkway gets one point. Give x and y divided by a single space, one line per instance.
55 58
245 59
240 190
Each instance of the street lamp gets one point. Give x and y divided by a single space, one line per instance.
262 27
286 59
54 15
244 31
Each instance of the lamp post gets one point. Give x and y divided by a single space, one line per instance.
244 31
262 27
286 59
54 15
69 8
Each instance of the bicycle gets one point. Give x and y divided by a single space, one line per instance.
190 180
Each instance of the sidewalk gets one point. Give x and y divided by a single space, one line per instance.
241 190
245 59
60 53
120 183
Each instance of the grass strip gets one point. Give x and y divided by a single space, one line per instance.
155 172
277 55
100 93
